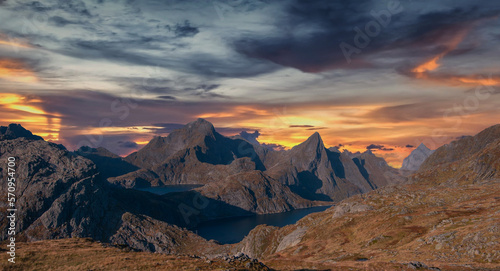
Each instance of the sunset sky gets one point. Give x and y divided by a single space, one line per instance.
379 75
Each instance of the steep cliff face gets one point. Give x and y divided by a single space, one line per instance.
416 158
60 195
315 172
376 170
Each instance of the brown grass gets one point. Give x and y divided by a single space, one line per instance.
85 254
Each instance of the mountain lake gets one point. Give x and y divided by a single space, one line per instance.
233 230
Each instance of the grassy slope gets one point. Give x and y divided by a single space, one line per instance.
451 228
85 254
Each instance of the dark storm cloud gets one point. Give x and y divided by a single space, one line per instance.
327 24
128 144
60 21
167 97
409 146
185 30
378 147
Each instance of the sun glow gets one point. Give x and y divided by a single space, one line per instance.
15 71
29 113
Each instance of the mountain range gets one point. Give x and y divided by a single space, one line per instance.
446 211
229 167
83 193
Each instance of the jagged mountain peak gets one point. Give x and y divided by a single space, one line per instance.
313 142
14 131
422 147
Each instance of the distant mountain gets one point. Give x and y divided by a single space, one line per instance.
232 168
416 158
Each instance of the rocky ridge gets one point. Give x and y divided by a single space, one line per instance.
232 169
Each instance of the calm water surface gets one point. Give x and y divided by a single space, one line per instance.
233 230
165 189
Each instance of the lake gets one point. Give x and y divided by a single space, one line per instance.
165 189
233 230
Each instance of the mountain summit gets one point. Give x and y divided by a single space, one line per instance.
416 158
14 131
313 144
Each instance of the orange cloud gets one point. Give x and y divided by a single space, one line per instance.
5 40
14 44
13 70
423 70
480 81
450 45
28 112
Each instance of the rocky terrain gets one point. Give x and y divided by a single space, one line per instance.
62 195
86 254
252 177
446 219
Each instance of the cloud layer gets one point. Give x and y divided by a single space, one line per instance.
380 74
